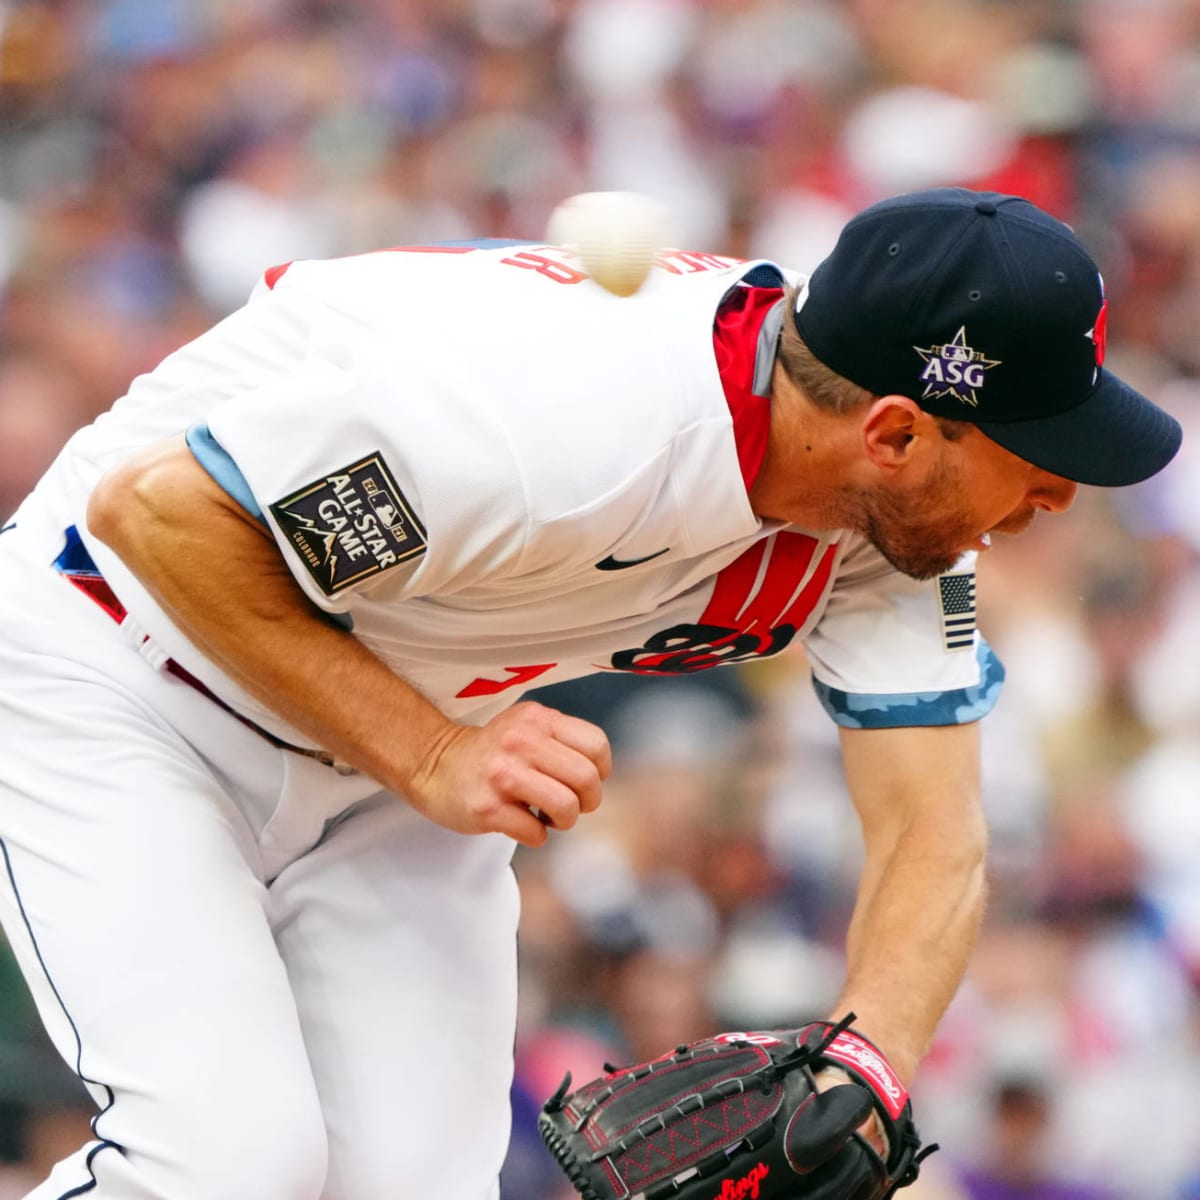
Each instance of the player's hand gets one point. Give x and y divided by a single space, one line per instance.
528 769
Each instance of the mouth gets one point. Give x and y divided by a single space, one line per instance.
1017 523
1010 526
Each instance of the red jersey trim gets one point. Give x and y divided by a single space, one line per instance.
735 343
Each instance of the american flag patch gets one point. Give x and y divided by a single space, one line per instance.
957 595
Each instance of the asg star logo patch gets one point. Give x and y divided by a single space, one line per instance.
351 525
954 369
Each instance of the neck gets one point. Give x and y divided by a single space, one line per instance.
805 471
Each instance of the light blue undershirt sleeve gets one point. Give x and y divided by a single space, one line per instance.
894 710
213 457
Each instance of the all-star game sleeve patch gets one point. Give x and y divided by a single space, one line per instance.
351 524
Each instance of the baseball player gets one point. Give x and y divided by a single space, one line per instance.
264 627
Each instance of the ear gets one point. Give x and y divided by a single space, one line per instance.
894 433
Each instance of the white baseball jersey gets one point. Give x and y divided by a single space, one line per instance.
501 477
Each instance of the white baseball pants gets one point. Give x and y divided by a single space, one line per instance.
277 982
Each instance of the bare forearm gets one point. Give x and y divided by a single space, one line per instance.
246 612
922 889
909 941
220 576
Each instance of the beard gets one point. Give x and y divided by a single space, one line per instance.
911 555
922 535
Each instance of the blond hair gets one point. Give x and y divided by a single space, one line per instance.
825 387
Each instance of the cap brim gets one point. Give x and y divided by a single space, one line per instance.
1114 438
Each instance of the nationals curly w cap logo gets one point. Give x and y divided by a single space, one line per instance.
351 524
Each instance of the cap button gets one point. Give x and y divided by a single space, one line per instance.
985 207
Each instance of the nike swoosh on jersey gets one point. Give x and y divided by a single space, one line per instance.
621 564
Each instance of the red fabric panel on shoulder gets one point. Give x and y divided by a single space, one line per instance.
735 342
274 274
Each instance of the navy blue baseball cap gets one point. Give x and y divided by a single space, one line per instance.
983 308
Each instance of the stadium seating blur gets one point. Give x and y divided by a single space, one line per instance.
157 155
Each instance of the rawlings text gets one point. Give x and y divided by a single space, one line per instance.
745 1188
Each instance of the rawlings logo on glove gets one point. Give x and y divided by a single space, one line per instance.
850 1050
738 1116
745 1188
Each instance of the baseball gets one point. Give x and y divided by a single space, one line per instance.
616 236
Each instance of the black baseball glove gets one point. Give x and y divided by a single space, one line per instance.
738 1116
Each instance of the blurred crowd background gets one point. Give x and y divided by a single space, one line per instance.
157 155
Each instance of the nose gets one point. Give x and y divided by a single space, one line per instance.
1052 493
